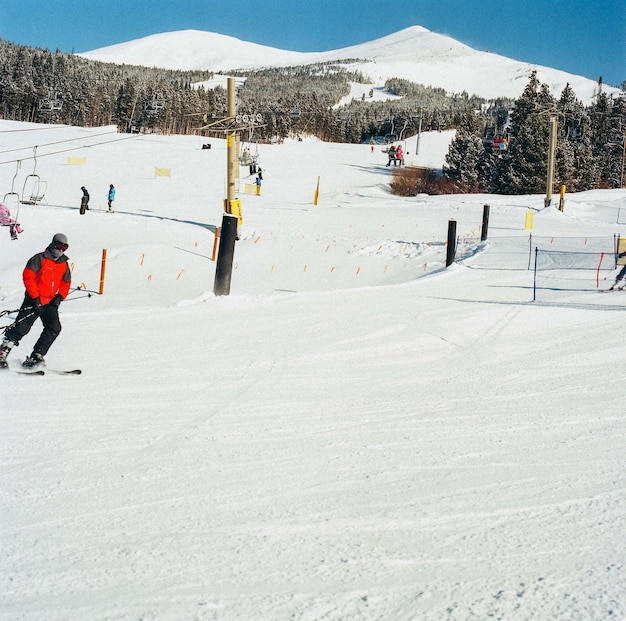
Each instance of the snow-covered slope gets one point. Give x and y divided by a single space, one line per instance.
341 438
415 54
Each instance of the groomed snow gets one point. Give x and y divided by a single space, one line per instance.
354 432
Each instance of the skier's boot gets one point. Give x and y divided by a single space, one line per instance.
34 360
5 348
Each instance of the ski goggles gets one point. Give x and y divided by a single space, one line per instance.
61 246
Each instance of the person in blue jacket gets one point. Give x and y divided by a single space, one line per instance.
111 196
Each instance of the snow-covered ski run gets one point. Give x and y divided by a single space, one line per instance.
354 433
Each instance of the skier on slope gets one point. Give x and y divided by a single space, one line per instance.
84 201
111 197
620 276
47 279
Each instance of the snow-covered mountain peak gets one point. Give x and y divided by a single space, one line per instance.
415 54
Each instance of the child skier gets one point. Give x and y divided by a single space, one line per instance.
7 220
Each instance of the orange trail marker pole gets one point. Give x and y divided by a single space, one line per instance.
102 270
217 234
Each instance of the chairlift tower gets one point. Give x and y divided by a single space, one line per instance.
232 125
419 115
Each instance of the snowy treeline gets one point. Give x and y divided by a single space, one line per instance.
37 85
589 151
43 86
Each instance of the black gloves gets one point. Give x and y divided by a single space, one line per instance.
36 304
56 300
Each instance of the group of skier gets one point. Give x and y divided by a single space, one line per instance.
84 201
395 155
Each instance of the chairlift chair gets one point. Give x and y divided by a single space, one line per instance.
246 157
154 104
50 104
295 112
34 189
12 199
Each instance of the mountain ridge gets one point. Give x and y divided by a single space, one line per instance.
414 53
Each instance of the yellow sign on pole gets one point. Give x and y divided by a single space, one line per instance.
235 210
528 224
76 161
162 172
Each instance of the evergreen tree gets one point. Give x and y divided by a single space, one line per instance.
465 153
522 168
575 165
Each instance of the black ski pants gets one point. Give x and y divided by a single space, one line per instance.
26 317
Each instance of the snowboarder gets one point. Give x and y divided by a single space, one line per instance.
620 276
111 197
258 182
6 219
84 201
47 279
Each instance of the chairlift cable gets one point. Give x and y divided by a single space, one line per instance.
97 144
47 144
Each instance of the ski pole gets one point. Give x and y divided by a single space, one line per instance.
8 312
5 328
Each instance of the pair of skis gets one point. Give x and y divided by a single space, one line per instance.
44 371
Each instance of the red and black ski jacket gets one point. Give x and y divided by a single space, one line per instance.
44 277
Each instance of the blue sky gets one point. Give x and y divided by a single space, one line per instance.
583 37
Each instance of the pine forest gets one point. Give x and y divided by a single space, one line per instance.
500 146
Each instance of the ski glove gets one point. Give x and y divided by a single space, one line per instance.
56 300
36 306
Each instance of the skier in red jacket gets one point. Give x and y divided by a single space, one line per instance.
47 279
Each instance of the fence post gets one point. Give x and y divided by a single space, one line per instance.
485 229
562 198
535 276
451 246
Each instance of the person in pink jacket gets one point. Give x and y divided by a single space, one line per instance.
6 219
